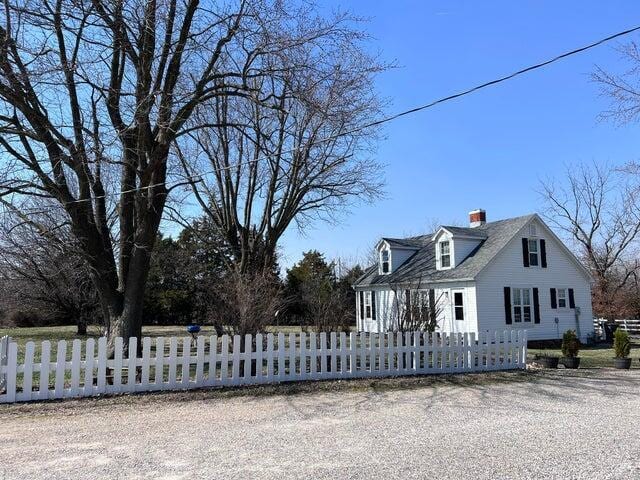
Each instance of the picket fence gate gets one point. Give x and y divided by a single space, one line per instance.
184 363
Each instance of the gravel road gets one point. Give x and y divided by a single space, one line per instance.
583 424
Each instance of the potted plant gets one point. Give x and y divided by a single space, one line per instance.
621 348
570 349
547 360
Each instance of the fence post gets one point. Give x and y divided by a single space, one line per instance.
4 357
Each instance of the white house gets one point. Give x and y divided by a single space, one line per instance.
513 273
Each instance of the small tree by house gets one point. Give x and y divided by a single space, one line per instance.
417 309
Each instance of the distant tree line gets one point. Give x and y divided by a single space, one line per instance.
191 280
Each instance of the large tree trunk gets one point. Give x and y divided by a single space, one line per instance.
81 327
126 321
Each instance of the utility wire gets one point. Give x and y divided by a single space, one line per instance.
463 93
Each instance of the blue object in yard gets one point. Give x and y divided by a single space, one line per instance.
193 330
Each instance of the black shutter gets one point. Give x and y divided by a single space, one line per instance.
507 305
361 305
525 252
554 303
407 305
572 300
543 253
432 305
373 305
536 306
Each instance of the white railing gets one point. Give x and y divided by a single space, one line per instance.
631 326
184 363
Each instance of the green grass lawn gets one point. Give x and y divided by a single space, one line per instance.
593 357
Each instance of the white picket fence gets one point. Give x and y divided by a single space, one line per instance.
4 357
631 326
183 363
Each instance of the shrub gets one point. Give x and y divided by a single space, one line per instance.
26 319
570 344
621 344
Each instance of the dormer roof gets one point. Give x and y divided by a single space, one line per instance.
466 232
413 243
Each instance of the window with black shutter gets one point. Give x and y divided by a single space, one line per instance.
525 252
543 253
458 305
507 305
373 305
572 300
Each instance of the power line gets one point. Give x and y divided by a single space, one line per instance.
386 119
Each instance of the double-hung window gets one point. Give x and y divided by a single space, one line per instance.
458 305
521 305
562 297
445 254
533 252
367 306
384 260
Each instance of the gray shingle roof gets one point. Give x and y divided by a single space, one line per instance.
411 242
421 266
478 232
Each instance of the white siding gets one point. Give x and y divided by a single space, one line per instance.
507 270
399 256
462 247
386 309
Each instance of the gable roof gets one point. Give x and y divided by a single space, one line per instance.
421 266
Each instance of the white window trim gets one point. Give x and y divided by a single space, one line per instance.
381 270
368 303
513 306
453 304
439 254
566 298
537 241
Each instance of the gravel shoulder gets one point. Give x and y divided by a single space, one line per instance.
551 424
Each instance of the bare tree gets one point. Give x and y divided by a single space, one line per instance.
244 304
43 275
622 89
301 156
94 96
47 279
417 308
599 210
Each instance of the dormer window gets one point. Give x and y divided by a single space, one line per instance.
445 254
385 264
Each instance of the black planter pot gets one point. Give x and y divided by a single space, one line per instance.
548 362
622 363
571 362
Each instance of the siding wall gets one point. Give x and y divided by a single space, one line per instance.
507 270
386 309
399 256
462 248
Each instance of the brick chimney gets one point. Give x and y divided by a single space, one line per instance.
477 217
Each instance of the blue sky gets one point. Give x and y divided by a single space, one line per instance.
489 149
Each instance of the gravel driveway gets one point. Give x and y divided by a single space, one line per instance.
583 424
